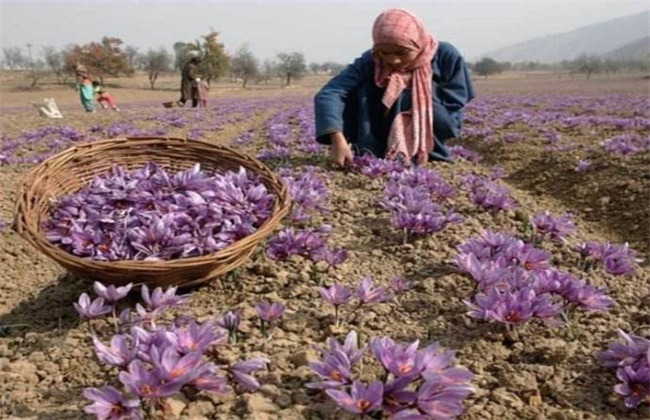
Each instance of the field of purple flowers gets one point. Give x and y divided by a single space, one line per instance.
510 284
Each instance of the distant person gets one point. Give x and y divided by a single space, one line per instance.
400 100
203 88
84 87
190 80
104 98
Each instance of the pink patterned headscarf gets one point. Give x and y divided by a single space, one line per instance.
412 131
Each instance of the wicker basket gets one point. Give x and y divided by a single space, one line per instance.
69 171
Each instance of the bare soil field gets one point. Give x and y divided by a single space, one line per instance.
537 128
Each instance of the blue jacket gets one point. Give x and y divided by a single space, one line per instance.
351 102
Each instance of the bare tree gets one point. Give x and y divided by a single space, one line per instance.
55 62
244 65
131 54
291 66
155 62
14 58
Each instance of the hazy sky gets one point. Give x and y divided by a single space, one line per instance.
323 31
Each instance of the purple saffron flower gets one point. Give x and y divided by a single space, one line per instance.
350 347
582 165
269 312
441 400
336 295
171 366
230 321
199 337
110 404
396 359
399 285
555 228
120 352
334 370
333 257
634 349
159 299
367 293
146 383
211 381
111 293
241 372
91 310
361 400
515 308
593 299
397 397
635 386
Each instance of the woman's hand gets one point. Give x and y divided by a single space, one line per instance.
340 152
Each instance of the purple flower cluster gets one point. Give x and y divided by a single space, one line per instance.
308 243
632 363
408 196
269 313
157 359
308 192
243 139
618 260
374 167
150 214
465 154
487 193
280 136
626 144
305 242
556 228
415 383
515 283
366 293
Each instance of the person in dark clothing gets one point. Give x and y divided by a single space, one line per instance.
400 100
190 80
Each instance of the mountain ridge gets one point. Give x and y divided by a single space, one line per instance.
600 39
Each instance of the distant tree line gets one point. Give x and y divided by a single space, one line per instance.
111 58
584 64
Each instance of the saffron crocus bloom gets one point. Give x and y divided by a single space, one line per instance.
395 358
555 227
397 397
399 285
91 310
111 293
110 404
145 383
211 381
269 311
230 321
367 293
441 400
120 353
158 298
171 366
334 370
241 372
633 350
361 400
634 386
336 295
333 257
199 337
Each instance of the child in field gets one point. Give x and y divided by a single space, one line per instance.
203 89
84 87
104 98
400 100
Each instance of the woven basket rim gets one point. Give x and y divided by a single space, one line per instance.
282 206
